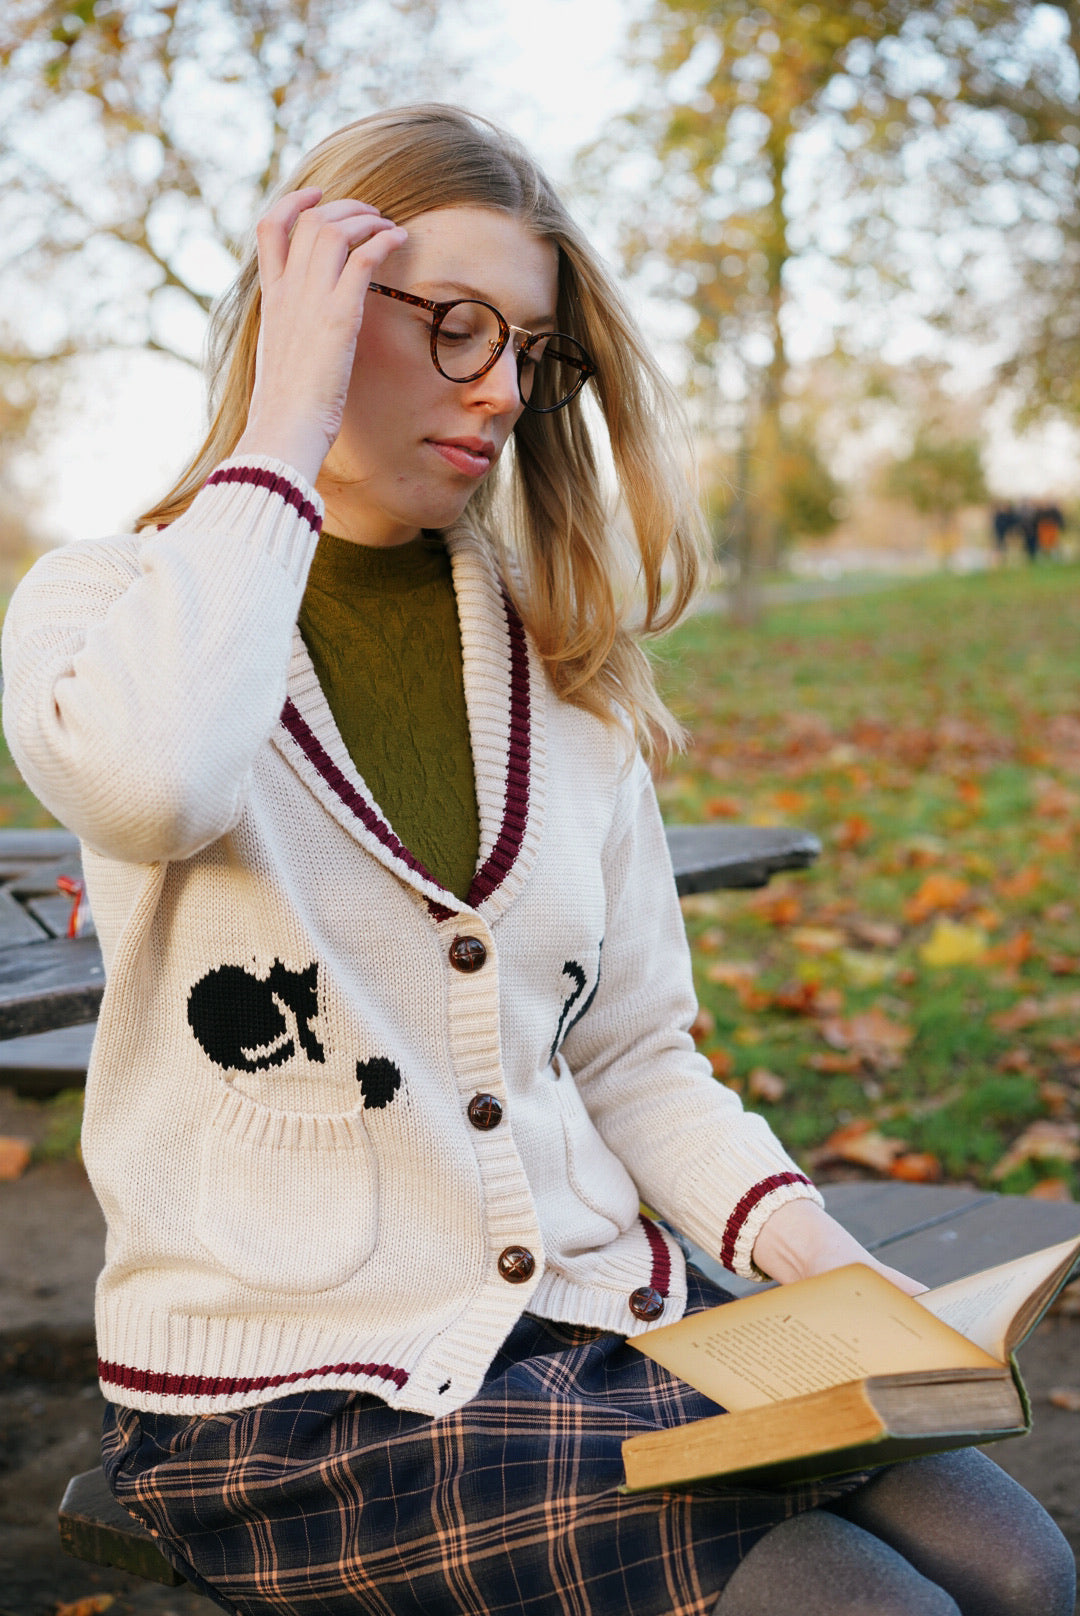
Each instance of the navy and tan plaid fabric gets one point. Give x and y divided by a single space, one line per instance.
324 1503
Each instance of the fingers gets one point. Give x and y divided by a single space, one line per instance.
364 260
290 230
273 230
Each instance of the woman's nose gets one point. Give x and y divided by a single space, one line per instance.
498 388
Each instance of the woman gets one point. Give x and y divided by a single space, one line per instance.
395 1032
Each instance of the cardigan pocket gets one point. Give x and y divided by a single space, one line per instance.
596 1175
286 1200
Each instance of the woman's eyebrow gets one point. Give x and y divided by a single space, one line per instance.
463 289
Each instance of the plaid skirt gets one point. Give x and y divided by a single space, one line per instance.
327 1503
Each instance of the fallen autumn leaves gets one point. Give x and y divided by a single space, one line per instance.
931 738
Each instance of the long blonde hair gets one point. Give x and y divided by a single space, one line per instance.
590 584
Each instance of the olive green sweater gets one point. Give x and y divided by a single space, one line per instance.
381 627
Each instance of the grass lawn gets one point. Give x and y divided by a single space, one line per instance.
912 1005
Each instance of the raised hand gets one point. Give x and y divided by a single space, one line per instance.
315 264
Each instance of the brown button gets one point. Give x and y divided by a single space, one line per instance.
467 953
646 1303
485 1111
516 1264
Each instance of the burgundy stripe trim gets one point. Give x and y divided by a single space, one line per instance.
660 1278
499 862
317 754
747 1205
438 911
162 1385
258 478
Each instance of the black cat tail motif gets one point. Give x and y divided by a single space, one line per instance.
577 975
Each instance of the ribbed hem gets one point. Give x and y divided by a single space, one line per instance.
600 1299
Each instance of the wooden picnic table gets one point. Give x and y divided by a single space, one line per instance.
49 981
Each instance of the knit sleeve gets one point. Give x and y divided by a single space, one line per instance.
716 1171
142 675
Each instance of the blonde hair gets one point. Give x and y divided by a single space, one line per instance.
566 557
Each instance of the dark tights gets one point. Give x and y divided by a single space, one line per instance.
934 1537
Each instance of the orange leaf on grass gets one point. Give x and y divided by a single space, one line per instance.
702 1025
853 833
92 1605
728 973
1017 1060
765 1085
722 1063
1055 801
1063 964
834 1061
1016 950
721 808
873 933
817 939
871 1034
777 908
14 1157
970 793
916 1167
863 1145
1024 1013
789 802
1065 1397
1022 884
1054 841
1050 1189
1028 1010
938 892
1040 1141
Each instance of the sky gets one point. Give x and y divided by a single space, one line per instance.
553 71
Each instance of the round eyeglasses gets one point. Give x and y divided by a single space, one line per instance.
468 336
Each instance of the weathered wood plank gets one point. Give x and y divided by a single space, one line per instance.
736 856
40 881
94 1527
54 913
56 983
17 928
37 844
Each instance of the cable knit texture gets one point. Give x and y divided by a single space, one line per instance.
381 628
277 1109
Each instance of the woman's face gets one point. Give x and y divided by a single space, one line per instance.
413 446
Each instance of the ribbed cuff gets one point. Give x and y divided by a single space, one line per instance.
262 502
709 1190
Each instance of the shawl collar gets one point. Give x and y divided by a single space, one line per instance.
504 699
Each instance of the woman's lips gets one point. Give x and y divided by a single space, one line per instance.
471 458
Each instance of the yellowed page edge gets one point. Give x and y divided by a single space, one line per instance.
838 1327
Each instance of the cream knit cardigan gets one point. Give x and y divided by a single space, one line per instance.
276 1110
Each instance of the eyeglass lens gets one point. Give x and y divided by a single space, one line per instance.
550 368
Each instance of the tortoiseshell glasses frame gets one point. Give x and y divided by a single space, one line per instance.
577 359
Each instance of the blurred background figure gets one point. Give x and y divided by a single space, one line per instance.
1003 521
1049 523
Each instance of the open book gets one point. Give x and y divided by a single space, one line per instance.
844 1371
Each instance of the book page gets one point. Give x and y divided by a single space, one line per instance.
984 1305
800 1338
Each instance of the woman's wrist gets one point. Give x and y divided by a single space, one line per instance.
298 446
800 1239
